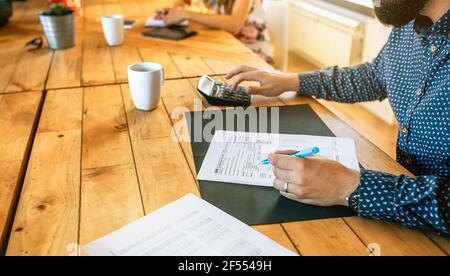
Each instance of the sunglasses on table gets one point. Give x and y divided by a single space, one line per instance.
35 44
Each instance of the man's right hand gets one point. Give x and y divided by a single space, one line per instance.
272 83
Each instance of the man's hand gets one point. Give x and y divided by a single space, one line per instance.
313 181
272 83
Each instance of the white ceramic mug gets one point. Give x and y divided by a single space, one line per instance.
113 29
146 81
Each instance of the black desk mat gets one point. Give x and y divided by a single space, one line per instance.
256 205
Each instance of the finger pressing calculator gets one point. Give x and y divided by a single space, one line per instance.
217 93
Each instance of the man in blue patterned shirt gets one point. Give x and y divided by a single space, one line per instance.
413 72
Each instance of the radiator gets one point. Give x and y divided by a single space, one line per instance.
324 36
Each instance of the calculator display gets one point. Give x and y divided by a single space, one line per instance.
207 85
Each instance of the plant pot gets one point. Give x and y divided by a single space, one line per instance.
5 11
59 30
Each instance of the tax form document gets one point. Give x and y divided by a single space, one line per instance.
234 157
189 226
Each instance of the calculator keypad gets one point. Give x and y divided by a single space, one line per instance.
240 95
221 94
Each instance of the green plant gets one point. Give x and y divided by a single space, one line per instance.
57 10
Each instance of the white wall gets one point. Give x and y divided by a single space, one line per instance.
375 38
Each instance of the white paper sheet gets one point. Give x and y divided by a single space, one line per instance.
189 226
234 157
152 22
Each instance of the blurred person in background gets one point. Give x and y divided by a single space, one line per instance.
242 18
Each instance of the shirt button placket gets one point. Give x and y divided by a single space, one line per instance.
434 49
420 92
405 131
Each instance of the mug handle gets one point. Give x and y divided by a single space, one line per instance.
162 77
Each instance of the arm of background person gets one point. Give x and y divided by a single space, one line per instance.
232 22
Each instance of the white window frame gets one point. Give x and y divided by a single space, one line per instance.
365 3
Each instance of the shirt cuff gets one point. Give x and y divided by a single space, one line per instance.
309 83
377 195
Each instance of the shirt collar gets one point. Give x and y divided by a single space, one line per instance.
423 25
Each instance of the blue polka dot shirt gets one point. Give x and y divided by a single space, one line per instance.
413 72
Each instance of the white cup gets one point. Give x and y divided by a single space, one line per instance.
146 81
113 29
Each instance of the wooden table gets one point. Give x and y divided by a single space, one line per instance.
79 161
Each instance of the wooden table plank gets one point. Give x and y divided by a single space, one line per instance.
277 233
325 237
110 194
191 66
180 94
105 128
162 57
385 235
131 9
18 115
219 66
18 71
46 221
190 47
443 243
122 57
152 6
92 17
97 63
179 97
65 70
9 58
31 72
222 66
163 172
80 21
145 125
112 7
92 2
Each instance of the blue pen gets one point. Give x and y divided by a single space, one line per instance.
301 153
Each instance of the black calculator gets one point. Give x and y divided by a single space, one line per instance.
217 93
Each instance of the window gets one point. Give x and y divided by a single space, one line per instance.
365 3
